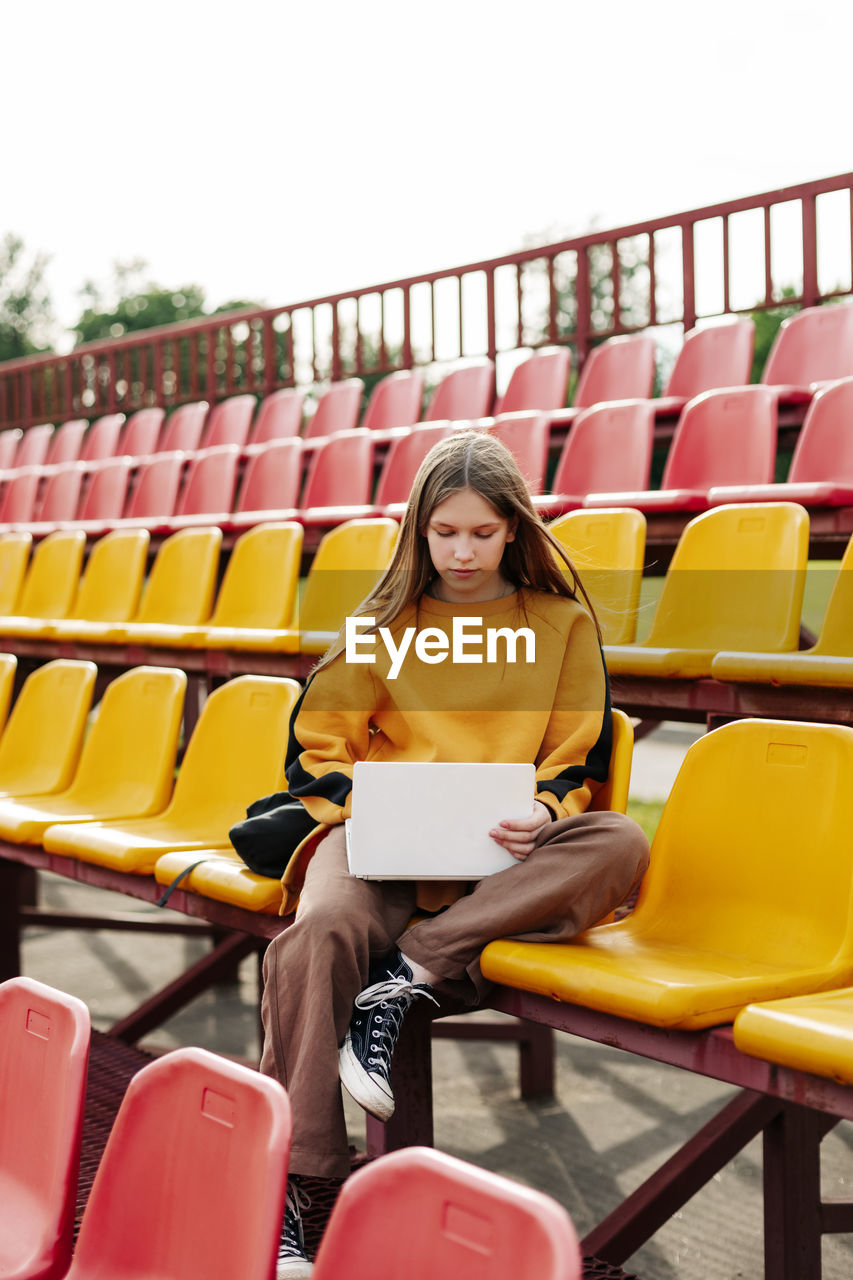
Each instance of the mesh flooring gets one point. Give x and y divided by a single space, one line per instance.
111 1067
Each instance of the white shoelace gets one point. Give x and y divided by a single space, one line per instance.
395 995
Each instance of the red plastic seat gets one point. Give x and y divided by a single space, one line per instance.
608 446
229 422
32 451
183 428
102 438
337 409
66 442
463 394
340 476
425 1215
539 382
209 487
404 457
721 437
44 1055
619 369
395 401
813 346
279 416
60 499
192 1180
271 482
19 496
141 432
526 437
153 495
821 471
106 496
9 441
718 356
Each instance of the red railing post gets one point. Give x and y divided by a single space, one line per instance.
583 307
811 293
688 276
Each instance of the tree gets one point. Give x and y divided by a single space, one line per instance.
132 302
26 315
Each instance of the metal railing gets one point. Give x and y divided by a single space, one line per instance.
792 246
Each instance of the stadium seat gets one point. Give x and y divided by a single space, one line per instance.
60 498
746 896
32 451
184 425
337 409
126 765
66 442
158 483
735 581
829 661
141 433
279 417
105 498
340 475
463 394
809 1033
179 590
50 584
206 1200
405 454
20 491
33 762
811 347
539 382
424 1214
271 482
526 435
607 547
102 439
619 369
235 754
821 471
9 441
208 488
609 447
44 1057
8 671
14 558
229 422
722 437
719 355
395 401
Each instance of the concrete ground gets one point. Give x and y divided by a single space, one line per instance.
614 1118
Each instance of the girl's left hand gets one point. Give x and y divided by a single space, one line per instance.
518 835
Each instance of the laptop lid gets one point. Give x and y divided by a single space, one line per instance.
431 821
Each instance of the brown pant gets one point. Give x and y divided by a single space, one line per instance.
580 869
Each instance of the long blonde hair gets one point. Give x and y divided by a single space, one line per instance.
477 461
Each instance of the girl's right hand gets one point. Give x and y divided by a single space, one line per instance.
518 835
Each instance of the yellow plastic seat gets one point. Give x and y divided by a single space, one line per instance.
258 590
35 760
736 581
14 558
809 1033
236 753
747 895
829 661
8 670
606 548
179 590
126 764
50 584
109 587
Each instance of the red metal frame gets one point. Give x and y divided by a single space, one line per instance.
261 350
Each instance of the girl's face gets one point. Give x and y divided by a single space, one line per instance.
466 538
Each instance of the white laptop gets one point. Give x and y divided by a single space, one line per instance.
432 821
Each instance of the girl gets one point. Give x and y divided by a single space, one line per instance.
470 546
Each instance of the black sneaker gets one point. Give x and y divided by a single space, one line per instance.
365 1056
292 1262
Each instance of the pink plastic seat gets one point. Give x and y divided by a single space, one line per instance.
192 1180
340 476
463 394
19 496
608 447
9 441
271 482
619 369
395 401
141 432
229 422
718 356
337 409
102 438
811 347
66 442
59 500
540 382
106 495
44 1055
209 487
183 428
821 471
32 451
722 437
526 437
425 1215
279 416
404 457
152 498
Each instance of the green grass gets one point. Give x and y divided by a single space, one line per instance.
647 814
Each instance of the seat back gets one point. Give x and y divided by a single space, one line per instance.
337 409
423 1214
19 496
836 632
756 829
404 457
157 486
8 671
44 1055
102 438
724 437
619 369
14 558
718 356
736 580
51 582
182 580
61 496
33 762
607 547
815 345
463 393
824 448
32 451
211 482
9 441
66 442
341 471
111 583
183 428
106 496
395 401
229 421
608 450
526 436
348 563
279 416
129 754
171 1208
261 578
141 432
273 477
613 795
539 382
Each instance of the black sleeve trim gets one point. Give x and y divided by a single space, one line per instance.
334 787
597 763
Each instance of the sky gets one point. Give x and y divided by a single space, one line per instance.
278 150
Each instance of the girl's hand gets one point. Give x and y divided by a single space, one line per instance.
518 835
